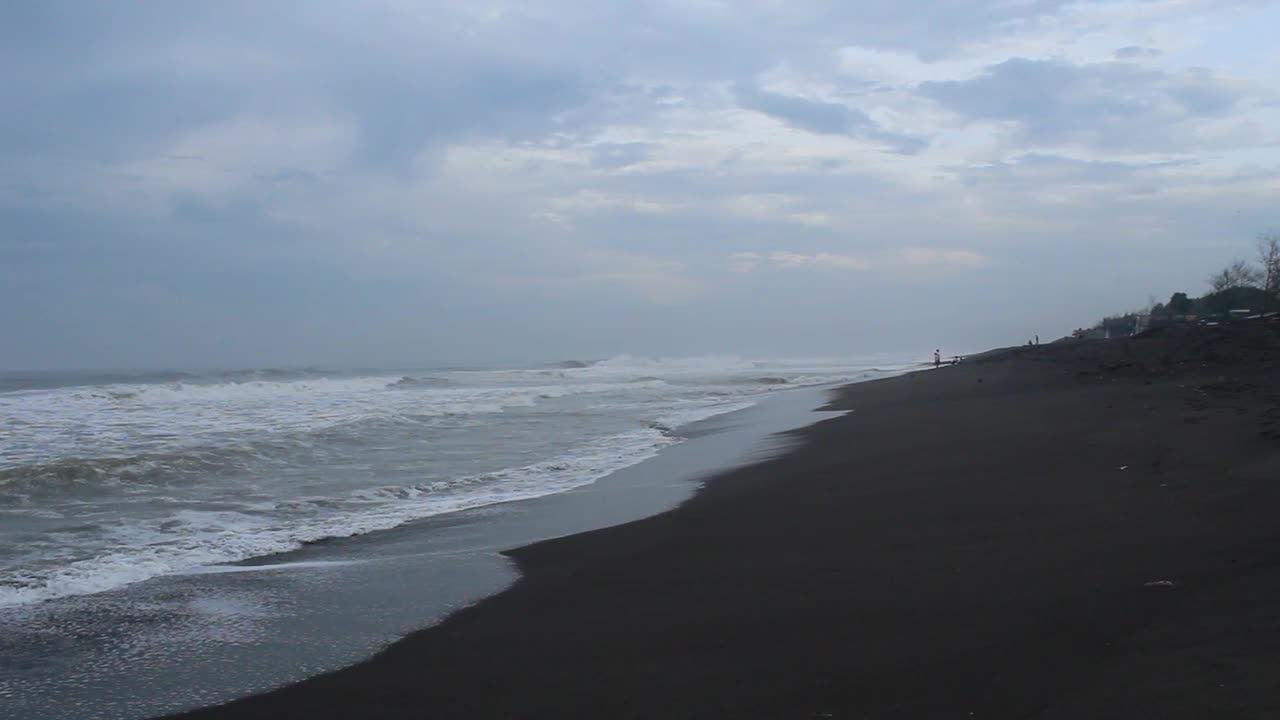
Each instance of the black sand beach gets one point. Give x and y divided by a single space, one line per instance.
1082 530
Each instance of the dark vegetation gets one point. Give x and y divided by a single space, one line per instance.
1241 289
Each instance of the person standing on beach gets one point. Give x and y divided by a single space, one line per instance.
937 358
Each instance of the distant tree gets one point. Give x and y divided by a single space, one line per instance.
1237 274
1180 304
1269 259
1233 298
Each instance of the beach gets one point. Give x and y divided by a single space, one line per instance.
1082 529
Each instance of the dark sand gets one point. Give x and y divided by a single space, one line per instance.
1086 530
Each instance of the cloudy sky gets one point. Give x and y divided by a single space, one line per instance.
393 182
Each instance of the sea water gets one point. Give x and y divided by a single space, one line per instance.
113 484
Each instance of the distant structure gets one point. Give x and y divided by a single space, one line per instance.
1122 326
1093 333
1232 304
1163 317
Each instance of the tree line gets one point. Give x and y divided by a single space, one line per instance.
1243 284
1249 285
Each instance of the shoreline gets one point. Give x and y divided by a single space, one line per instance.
1068 530
265 622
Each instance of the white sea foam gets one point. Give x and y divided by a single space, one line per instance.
191 539
109 485
268 567
45 426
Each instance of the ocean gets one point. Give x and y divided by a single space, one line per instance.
143 500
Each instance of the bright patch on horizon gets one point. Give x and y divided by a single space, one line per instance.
745 262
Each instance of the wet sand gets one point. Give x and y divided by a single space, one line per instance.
1074 530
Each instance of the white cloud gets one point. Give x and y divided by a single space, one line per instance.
744 262
585 201
906 259
652 280
616 155
934 257
244 155
779 207
825 261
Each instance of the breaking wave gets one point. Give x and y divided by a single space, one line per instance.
191 539
408 382
112 479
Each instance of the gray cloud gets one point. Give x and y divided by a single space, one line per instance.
401 112
812 115
1133 52
145 75
1053 169
620 155
413 76
240 182
823 117
1108 105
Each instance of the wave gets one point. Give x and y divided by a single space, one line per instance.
721 371
70 477
132 383
572 364
698 363
257 388
62 437
14 382
706 370
18 382
407 382
190 472
192 539
228 451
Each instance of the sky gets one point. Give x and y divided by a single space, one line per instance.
384 182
